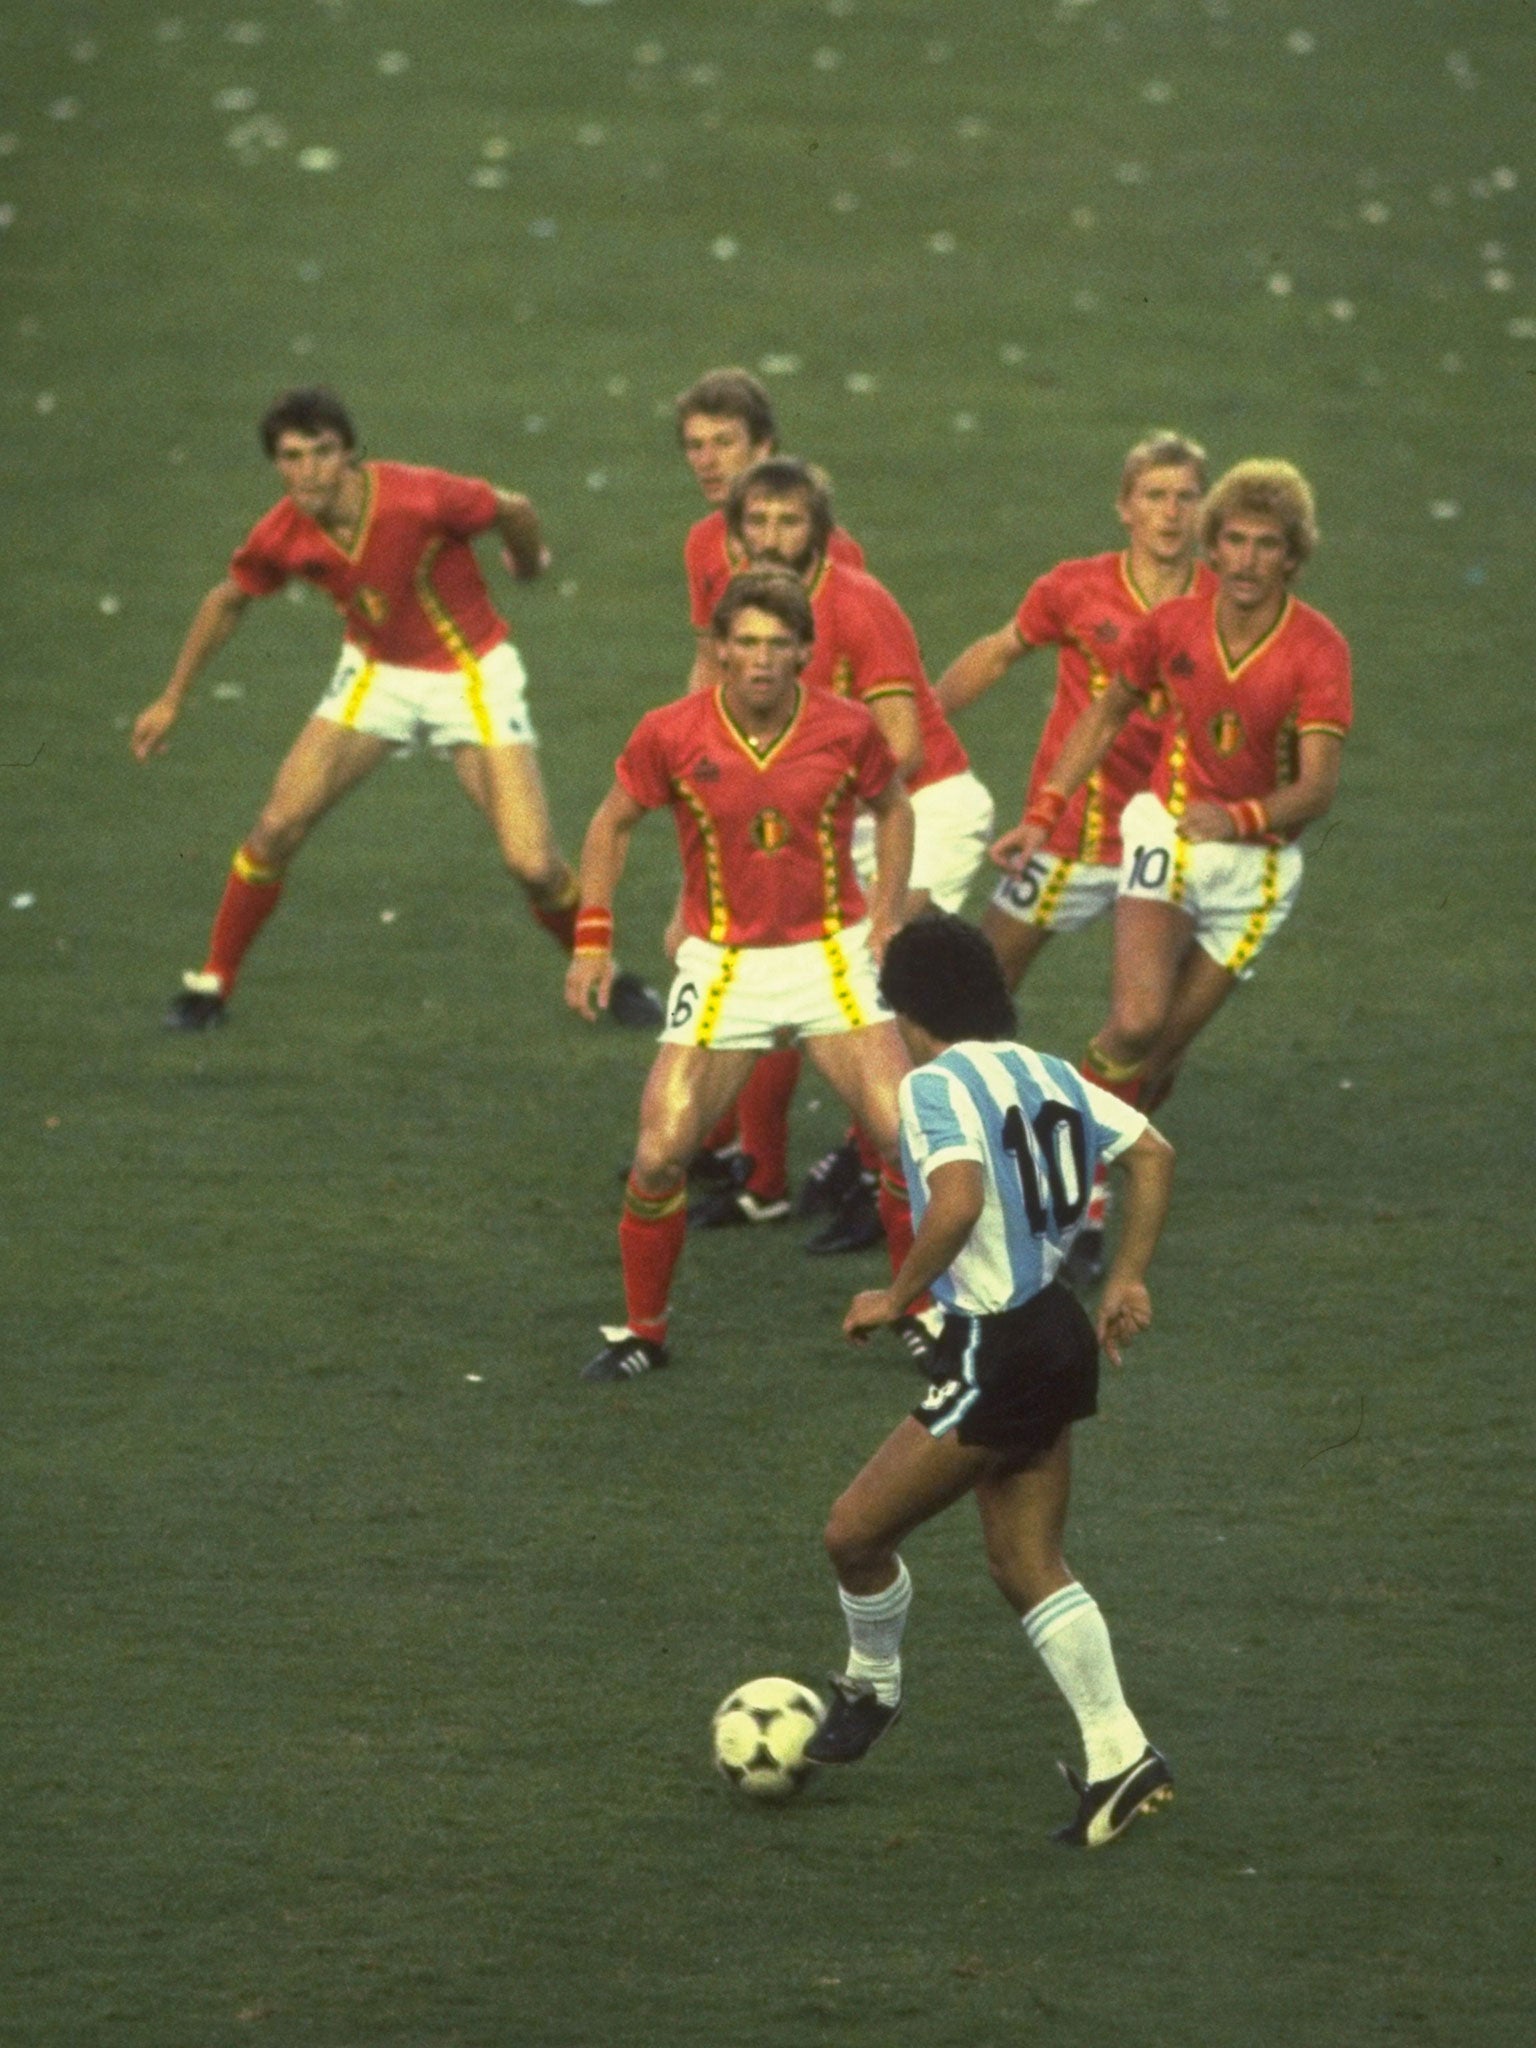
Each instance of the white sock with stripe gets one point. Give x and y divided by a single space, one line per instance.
1070 1634
875 1625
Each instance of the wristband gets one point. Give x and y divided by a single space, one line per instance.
594 932
1249 818
1046 809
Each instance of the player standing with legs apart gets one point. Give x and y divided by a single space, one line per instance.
999 1144
425 658
762 777
1252 691
1086 608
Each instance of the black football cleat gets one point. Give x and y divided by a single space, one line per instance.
1083 1267
855 1226
855 1720
200 1005
624 1356
1107 1807
725 1208
728 1167
635 1004
830 1181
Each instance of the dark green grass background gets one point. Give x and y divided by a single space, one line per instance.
356 1660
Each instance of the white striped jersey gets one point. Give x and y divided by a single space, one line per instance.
1037 1130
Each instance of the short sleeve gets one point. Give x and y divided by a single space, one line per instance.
462 505
938 1120
1040 619
1326 698
1116 1126
884 657
254 565
842 547
642 768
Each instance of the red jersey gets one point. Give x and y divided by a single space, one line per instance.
409 587
1230 727
1086 608
712 558
866 648
765 837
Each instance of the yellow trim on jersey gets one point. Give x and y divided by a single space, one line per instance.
1233 669
1051 891
370 499
1258 924
842 982
893 686
1178 782
714 873
715 994
826 843
362 683
1134 588
759 760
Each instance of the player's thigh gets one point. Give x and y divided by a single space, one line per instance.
689 1088
865 1067
912 1477
324 762
1203 986
1015 944
518 808
1152 942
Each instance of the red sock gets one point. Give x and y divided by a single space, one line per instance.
721 1136
651 1233
869 1155
1122 1078
559 919
249 899
763 1112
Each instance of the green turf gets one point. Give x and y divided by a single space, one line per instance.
357 1662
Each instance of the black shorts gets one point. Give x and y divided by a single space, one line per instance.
1013 1382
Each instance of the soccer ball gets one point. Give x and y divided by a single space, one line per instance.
759 1735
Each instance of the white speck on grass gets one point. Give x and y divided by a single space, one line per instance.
308 271
297 593
1011 353
247 33
860 383
1279 284
303 344
1499 280
388 916
249 138
568 588
495 148
845 202
23 900
7 215
9 144
597 479
1493 252
826 58
1085 301
1376 213
724 247
1130 174
938 53
779 365
63 110
171 30
1523 328
235 99
1301 42
617 387
1461 68
228 693
45 403
488 177
390 63
1084 217
319 156
1444 508
474 1378
702 75
1503 179
84 51
971 128
649 53
591 134
1451 363
109 606
1342 309
943 243
1157 92
964 423
534 423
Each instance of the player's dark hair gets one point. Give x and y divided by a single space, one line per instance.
940 972
775 591
309 410
783 476
730 395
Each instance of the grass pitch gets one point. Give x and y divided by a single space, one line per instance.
359 1662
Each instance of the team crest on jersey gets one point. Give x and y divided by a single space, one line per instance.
769 831
371 603
1226 730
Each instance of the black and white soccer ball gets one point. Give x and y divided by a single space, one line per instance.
759 1735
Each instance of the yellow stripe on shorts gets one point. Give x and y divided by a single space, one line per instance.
714 995
362 683
1258 924
1179 886
1050 893
842 986
474 696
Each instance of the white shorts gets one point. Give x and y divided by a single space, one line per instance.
953 828
747 998
1057 895
1238 894
482 704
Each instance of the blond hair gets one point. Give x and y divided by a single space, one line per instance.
1163 448
1269 489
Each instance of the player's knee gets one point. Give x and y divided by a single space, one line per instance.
276 836
543 874
851 1547
1133 1033
660 1162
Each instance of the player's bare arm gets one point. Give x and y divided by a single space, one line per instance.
896 716
895 828
604 851
1081 752
1311 795
1125 1306
212 624
956 1193
985 662
522 539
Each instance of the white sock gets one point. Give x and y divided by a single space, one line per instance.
875 1624
1069 1632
